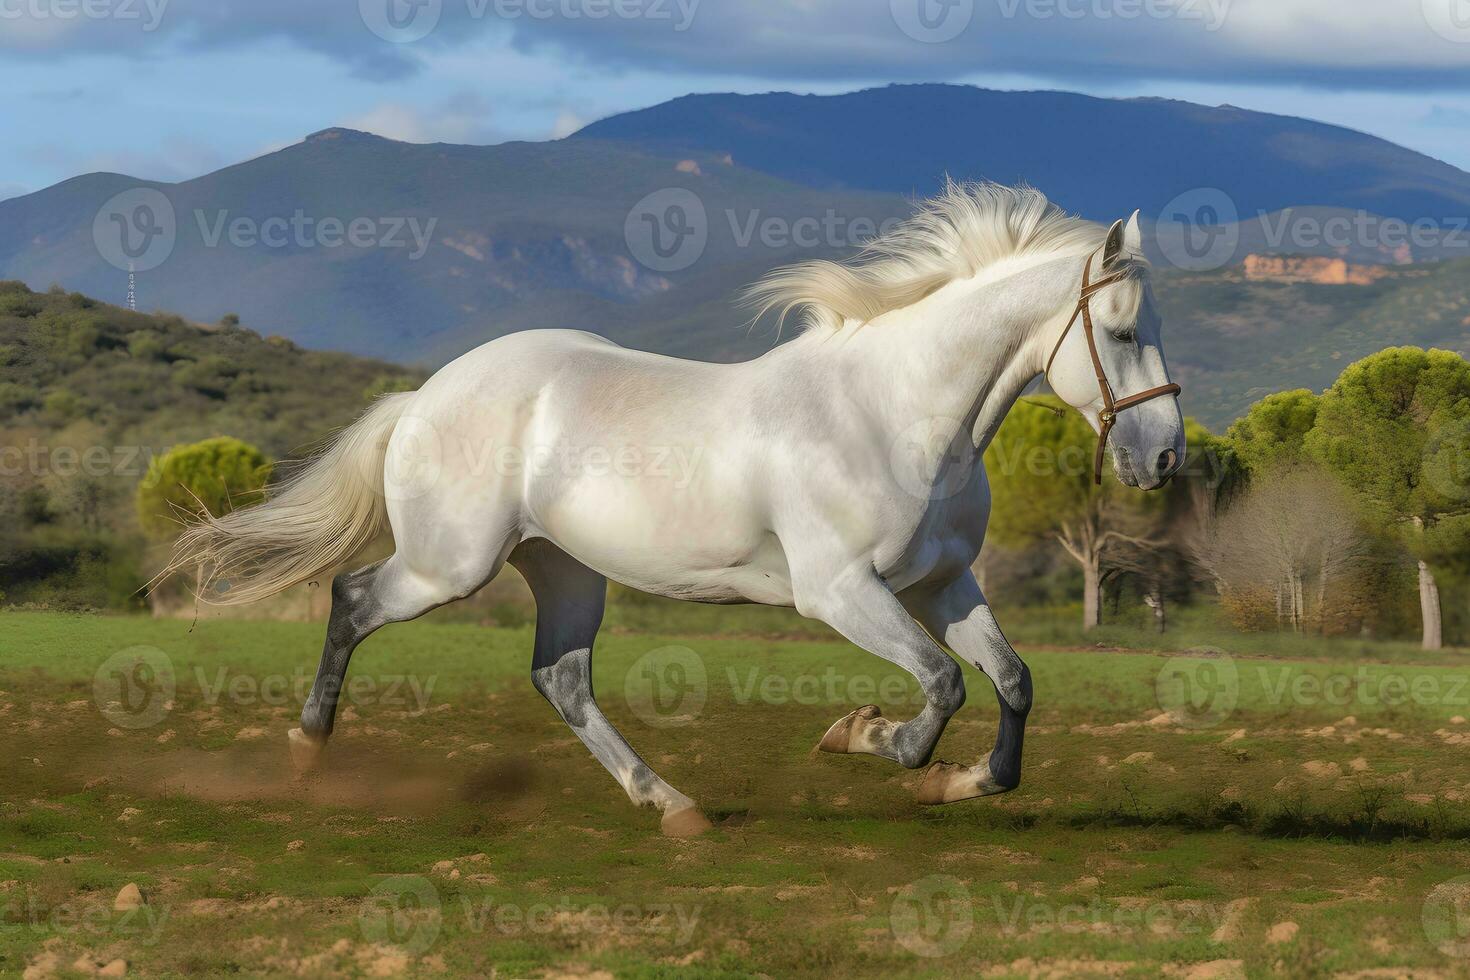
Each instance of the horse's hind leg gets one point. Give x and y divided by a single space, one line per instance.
959 614
363 601
569 604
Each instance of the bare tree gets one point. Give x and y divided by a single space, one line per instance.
1294 525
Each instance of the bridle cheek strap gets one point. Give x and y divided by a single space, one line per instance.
1111 406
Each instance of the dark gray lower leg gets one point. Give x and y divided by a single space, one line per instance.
355 615
960 616
569 606
1005 758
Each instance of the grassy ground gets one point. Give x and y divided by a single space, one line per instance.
1187 815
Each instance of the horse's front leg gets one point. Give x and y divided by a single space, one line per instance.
960 616
861 608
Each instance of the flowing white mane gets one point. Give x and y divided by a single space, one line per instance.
959 233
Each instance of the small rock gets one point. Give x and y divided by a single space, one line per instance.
116 968
1360 764
296 845
1318 769
128 814
128 899
1138 759
1281 932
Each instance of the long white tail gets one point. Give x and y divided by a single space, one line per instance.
315 520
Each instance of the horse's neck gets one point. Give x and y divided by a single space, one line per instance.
969 350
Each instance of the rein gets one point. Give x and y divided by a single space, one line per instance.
1111 406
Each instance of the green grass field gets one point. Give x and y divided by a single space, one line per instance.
1286 817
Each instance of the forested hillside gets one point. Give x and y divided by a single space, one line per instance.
89 393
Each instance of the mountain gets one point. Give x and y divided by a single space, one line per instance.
1099 157
643 227
1231 340
459 244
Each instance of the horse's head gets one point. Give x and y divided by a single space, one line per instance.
1109 364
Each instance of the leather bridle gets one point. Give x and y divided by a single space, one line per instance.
1111 406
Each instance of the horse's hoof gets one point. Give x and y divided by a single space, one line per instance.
306 751
839 737
948 782
944 783
688 822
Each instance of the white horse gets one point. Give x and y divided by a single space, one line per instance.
841 473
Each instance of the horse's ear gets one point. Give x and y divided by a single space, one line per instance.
1114 247
1133 236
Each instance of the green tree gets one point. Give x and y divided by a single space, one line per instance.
1040 470
1395 427
1273 432
216 475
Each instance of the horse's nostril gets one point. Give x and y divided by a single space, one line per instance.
1167 460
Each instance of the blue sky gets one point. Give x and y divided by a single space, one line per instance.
169 89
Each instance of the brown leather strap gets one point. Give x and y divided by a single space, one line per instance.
1111 405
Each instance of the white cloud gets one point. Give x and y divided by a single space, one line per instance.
462 118
566 124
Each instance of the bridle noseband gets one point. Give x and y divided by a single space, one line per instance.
1111 406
